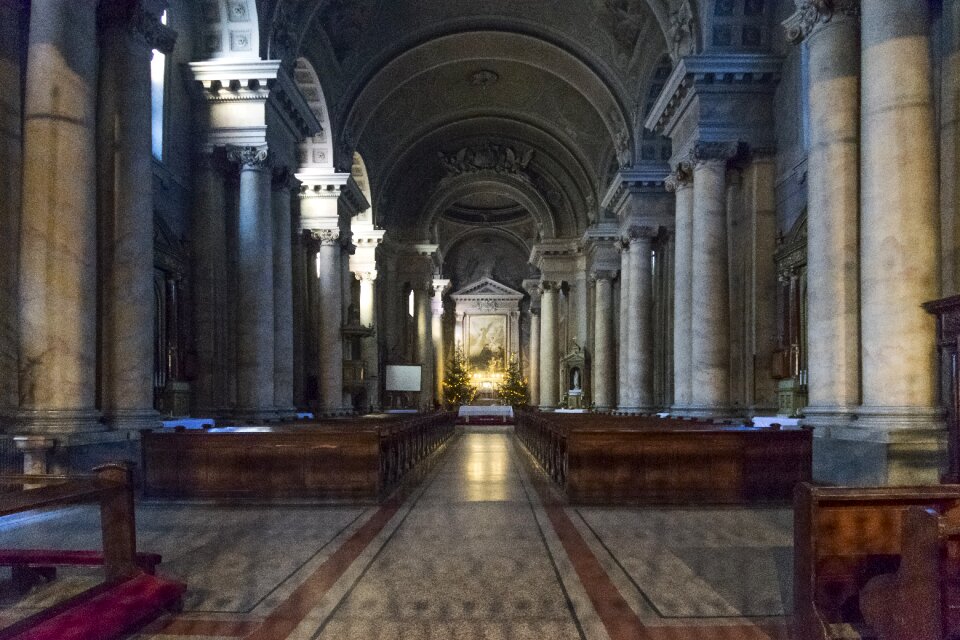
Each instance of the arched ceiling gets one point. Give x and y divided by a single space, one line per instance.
451 103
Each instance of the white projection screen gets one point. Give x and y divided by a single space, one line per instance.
403 377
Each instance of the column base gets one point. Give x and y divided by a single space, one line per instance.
133 419
285 413
711 411
59 421
547 407
883 446
825 418
260 415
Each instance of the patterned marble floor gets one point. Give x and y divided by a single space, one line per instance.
478 546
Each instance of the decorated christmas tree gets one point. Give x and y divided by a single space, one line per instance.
457 388
513 390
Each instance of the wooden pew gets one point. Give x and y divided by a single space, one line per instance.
651 460
843 537
344 458
921 601
129 598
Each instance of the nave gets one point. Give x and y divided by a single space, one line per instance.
476 544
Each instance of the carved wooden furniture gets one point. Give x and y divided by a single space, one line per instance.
359 458
947 312
843 537
129 598
650 460
921 601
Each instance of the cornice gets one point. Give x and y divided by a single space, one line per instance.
649 179
728 73
264 81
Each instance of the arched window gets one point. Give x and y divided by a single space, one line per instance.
158 76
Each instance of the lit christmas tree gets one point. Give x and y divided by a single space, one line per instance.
513 390
457 389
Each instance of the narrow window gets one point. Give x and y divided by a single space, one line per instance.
158 71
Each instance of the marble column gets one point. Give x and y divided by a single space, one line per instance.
330 315
603 362
623 347
255 313
681 183
11 158
208 262
422 295
710 313
125 175
898 228
436 333
640 328
58 241
284 187
534 357
371 359
549 358
833 179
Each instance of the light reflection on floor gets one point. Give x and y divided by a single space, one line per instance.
486 469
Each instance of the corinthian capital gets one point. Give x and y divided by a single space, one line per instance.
327 237
814 13
680 179
256 158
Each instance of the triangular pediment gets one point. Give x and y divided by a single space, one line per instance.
487 288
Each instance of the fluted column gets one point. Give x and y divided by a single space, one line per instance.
283 185
623 347
549 359
710 313
330 316
603 365
58 243
681 183
833 290
534 357
422 295
898 226
255 312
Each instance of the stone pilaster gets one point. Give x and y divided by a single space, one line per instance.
422 296
534 357
549 357
58 243
681 183
710 312
255 312
284 185
898 243
603 360
436 332
368 313
125 175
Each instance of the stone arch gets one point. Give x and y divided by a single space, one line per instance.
316 152
360 176
522 192
229 29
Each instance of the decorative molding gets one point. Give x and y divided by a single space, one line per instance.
640 232
489 157
649 179
484 78
704 151
548 285
603 274
711 73
682 38
811 14
250 158
681 178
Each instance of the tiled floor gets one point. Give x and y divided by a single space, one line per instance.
477 547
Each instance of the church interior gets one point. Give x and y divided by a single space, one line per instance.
520 319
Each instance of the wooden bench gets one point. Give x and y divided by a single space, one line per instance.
921 601
34 566
345 458
843 537
129 598
651 460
